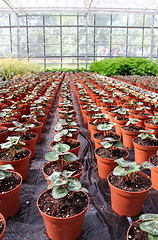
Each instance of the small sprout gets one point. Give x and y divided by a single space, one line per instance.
4 173
111 143
105 127
14 144
147 134
132 121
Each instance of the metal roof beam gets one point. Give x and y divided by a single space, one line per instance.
10 6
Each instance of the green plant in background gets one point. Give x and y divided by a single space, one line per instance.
125 66
4 173
147 134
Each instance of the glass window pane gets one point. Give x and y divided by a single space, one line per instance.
4 20
35 20
69 20
119 19
102 19
52 20
135 20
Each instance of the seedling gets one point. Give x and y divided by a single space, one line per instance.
6 114
147 134
21 128
111 143
100 118
132 121
105 127
121 112
61 154
14 144
37 111
63 183
150 225
30 119
4 173
155 119
149 165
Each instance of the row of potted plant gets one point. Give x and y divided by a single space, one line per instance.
123 176
24 132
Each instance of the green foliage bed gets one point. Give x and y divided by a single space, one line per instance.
125 66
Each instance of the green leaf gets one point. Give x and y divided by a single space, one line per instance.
148 216
52 156
61 148
73 184
152 237
84 190
119 171
67 174
147 165
106 144
152 136
58 181
18 148
122 163
69 157
54 175
6 145
59 192
151 227
58 127
2 175
6 167
117 144
57 137
143 135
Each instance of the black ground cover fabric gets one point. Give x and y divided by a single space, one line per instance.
101 222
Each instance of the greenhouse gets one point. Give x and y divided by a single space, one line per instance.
78 120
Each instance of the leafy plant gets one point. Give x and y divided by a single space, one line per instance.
61 154
132 121
63 183
100 118
105 127
19 127
111 143
146 134
150 225
4 173
155 119
14 144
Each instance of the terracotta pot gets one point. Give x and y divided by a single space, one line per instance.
154 176
31 144
42 120
154 127
3 135
128 137
4 222
127 203
133 111
74 150
107 108
142 153
38 131
63 228
93 129
27 106
21 166
98 141
129 229
106 165
142 119
76 176
112 116
119 124
9 201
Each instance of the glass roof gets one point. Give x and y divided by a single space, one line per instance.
80 6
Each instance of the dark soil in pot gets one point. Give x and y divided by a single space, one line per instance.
9 120
9 183
111 154
140 183
143 114
151 122
101 136
7 156
135 233
122 118
71 143
54 166
74 128
1 226
96 123
146 142
28 136
154 160
63 207
132 128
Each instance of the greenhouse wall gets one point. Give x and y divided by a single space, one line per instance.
77 40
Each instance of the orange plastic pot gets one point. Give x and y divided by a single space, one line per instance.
93 129
129 229
142 153
127 203
3 135
38 131
76 176
128 138
4 222
74 150
21 166
154 127
63 228
154 176
105 165
9 201
142 119
112 116
31 144
119 124
42 120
